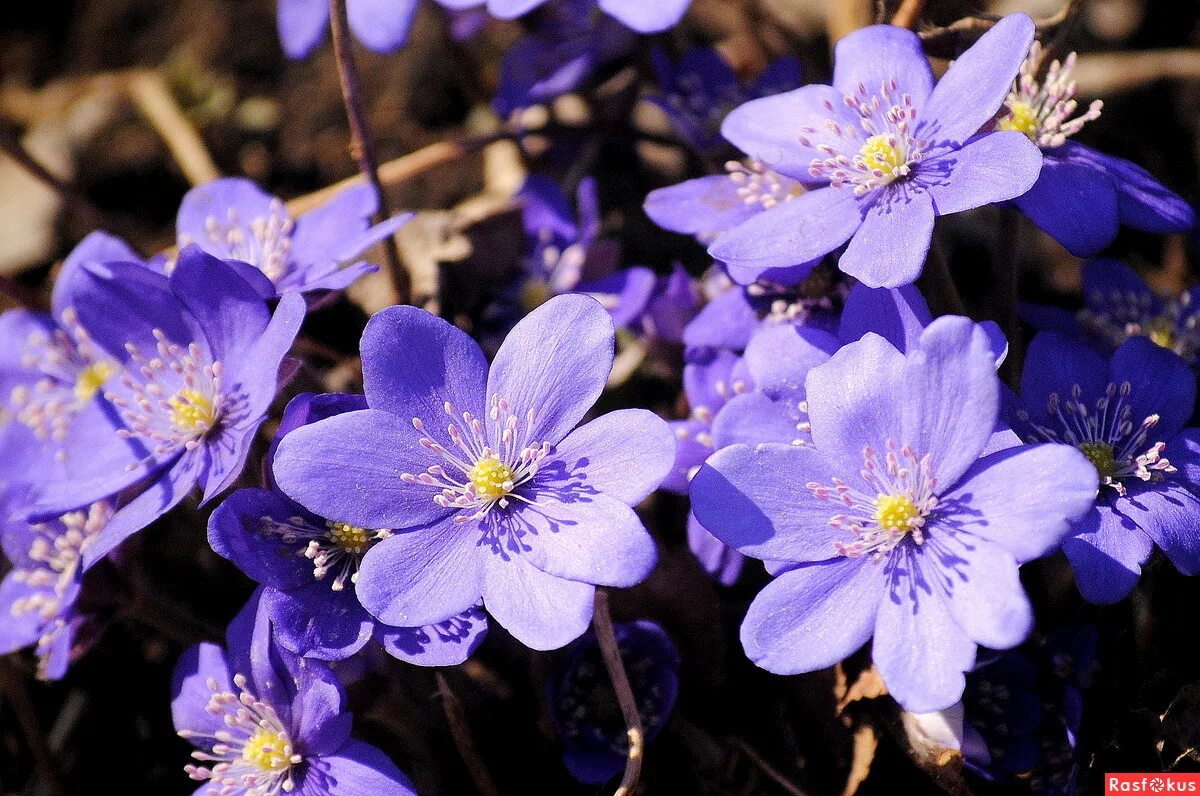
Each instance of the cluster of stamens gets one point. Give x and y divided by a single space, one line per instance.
1105 433
889 151
1118 315
73 370
265 243
758 185
334 548
903 487
1043 110
488 461
176 402
57 555
253 755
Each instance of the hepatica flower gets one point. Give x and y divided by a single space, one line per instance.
199 357
886 150
1127 416
488 490
233 219
890 524
308 566
380 25
640 16
1082 196
1117 305
265 722
584 707
38 597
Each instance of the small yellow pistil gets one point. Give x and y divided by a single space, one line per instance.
895 512
879 152
350 538
1100 454
92 379
192 410
1161 332
1021 118
265 749
493 479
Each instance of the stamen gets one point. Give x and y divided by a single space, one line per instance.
1043 111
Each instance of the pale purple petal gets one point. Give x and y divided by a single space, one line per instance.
624 454
703 206
302 25
779 357
889 248
317 622
1107 553
991 168
1170 515
981 587
382 25
874 56
1074 203
754 418
716 558
541 611
356 769
898 315
235 532
189 687
646 17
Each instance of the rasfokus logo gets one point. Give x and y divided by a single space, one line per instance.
1151 783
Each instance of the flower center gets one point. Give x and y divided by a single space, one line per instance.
1043 111
896 512
485 463
91 379
349 537
192 409
758 185
889 152
252 753
264 242
1117 315
900 496
1104 431
491 477
332 547
265 749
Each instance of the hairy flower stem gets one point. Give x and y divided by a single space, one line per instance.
362 143
603 625
456 717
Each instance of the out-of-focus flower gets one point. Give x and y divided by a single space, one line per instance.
490 491
584 707
901 532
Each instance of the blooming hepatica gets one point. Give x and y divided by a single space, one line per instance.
266 722
233 219
1126 416
890 524
640 16
200 356
889 151
309 565
489 491
584 707
381 25
1082 197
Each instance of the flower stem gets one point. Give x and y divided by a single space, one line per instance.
908 13
153 99
1008 260
362 143
603 625
456 717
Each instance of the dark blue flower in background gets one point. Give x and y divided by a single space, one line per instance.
308 566
584 706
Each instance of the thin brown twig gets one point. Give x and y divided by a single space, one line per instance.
10 145
967 26
456 717
779 779
13 686
603 625
149 92
908 13
362 143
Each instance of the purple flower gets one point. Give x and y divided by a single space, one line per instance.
381 25
233 219
584 706
640 16
889 150
1127 416
701 89
1082 196
308 566
891 524
672 306
263 721
566 48
489 490
197 360
39 595
1117 305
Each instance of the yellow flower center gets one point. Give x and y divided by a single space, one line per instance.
92 379
1100 454
266 750
492 478
879 152
349 537
191 409
1161 332
896 512
1021 118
